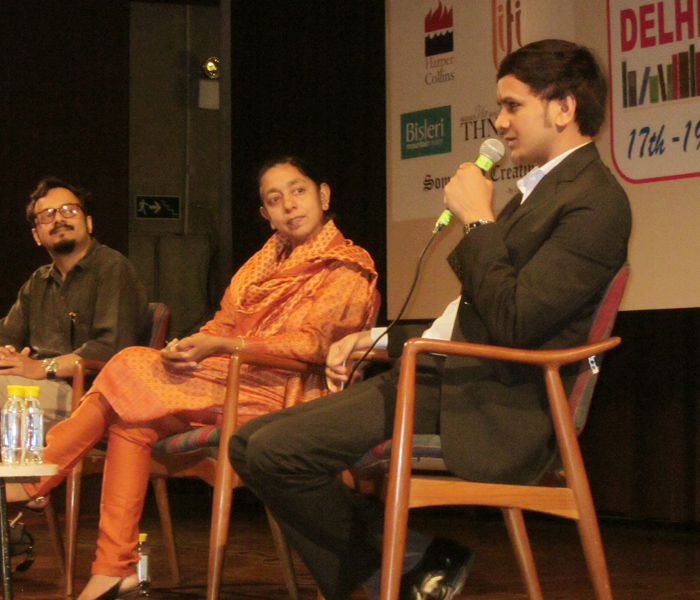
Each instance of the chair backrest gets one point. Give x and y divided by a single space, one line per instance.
603 322
157 322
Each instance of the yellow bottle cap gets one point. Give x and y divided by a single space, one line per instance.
15 390
142 537
31 390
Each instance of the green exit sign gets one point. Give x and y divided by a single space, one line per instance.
157 207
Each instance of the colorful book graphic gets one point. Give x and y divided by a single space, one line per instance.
662 82
645 84
675 80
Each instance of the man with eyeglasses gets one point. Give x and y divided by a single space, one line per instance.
88 303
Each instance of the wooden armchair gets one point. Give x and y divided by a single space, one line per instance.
564 494
203 452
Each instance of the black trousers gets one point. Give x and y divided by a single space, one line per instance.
291 460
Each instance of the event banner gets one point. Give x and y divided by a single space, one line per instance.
654 52
441 90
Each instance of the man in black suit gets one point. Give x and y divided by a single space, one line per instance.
532 278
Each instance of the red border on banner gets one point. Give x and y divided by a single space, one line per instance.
612 126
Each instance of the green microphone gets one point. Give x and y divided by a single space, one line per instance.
490 153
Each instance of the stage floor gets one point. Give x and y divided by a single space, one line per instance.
647 561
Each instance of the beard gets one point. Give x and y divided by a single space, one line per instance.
64 246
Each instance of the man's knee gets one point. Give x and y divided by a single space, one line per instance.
268 456
258 429
261 457
247 445
236 452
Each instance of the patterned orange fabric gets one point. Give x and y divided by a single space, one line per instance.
285 303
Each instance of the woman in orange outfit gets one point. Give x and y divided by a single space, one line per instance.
306 288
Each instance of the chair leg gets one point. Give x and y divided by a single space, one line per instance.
285 556
55 532
166 524
72 511
394 544
523 551
226 480
595 557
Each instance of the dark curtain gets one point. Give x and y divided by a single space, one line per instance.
64 111
641 444
308 78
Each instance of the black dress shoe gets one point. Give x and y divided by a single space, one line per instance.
440 574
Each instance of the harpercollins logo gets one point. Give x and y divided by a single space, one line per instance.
506 16
426 132
439 44
438 31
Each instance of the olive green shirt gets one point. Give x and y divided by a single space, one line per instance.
99 309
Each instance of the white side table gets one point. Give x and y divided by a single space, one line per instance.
15 473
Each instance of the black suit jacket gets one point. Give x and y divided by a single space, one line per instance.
531 280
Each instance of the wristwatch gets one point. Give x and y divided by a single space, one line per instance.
469 226
50 366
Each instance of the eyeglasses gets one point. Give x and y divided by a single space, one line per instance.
68 211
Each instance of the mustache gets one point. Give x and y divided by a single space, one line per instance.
61 226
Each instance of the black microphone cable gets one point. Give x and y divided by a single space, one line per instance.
403 308
490 152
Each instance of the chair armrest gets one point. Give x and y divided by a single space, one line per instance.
374 355
244 357
549 360
224 478
81 368
362 356
267 360
536 357
557 357
90 366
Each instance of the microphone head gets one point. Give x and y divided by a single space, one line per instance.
493 149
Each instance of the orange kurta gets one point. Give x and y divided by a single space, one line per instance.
292 307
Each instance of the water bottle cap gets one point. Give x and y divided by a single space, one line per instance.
142 537
31 390
15 390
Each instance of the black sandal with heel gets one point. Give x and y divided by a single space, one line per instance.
21 542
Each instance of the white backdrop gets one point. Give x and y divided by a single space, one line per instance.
441 79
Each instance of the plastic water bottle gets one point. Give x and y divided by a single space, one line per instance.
12 422
142 568
33 426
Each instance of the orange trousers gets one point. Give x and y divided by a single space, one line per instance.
125 478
